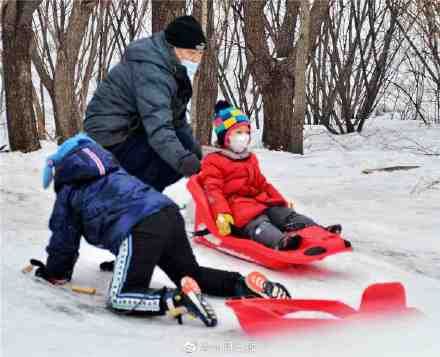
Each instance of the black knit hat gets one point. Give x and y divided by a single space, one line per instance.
186 32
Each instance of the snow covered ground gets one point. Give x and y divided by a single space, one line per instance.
392 218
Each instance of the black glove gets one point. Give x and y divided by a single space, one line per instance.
42 272
190 165
197 150
107 266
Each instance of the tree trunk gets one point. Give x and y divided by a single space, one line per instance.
16 37
276 76
165 11
66 111
278 113
68 120
205 86
41 124
297 131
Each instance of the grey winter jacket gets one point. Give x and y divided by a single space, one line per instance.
149 87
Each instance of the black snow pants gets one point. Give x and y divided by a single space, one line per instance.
139 159
160 240
269 228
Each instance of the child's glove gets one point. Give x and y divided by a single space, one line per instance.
42 272
107 266
224 221
197 150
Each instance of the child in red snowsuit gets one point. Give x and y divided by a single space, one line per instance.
242 200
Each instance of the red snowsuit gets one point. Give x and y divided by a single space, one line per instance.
237 187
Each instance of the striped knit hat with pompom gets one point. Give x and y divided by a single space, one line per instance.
227 117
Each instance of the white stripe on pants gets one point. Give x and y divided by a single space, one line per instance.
131 301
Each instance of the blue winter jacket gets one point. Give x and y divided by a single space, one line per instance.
95 198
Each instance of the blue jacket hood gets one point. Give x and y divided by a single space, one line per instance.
77 160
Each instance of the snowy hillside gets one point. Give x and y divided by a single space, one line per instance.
392 219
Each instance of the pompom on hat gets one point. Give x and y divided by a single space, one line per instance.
227 117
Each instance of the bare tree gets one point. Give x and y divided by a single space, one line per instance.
2 86
296 144
123 21
420 24
39 114
235 78
353 64
60 76
16 37
274 70
164 11
205 87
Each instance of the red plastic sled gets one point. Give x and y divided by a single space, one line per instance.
317 243
265 316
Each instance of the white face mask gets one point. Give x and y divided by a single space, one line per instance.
239 142
191 68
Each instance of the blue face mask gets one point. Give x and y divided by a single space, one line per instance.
191 68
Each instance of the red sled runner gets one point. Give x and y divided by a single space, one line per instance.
266 316
317 243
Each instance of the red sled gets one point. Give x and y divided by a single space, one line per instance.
317 243
268 316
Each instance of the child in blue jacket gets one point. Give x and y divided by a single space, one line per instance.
143 228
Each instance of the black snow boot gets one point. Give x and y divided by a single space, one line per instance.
334 228
257 285
189 300
291 241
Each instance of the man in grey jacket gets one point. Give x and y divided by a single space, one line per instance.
138 111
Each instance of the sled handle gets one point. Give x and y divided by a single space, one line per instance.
278 308
383 297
